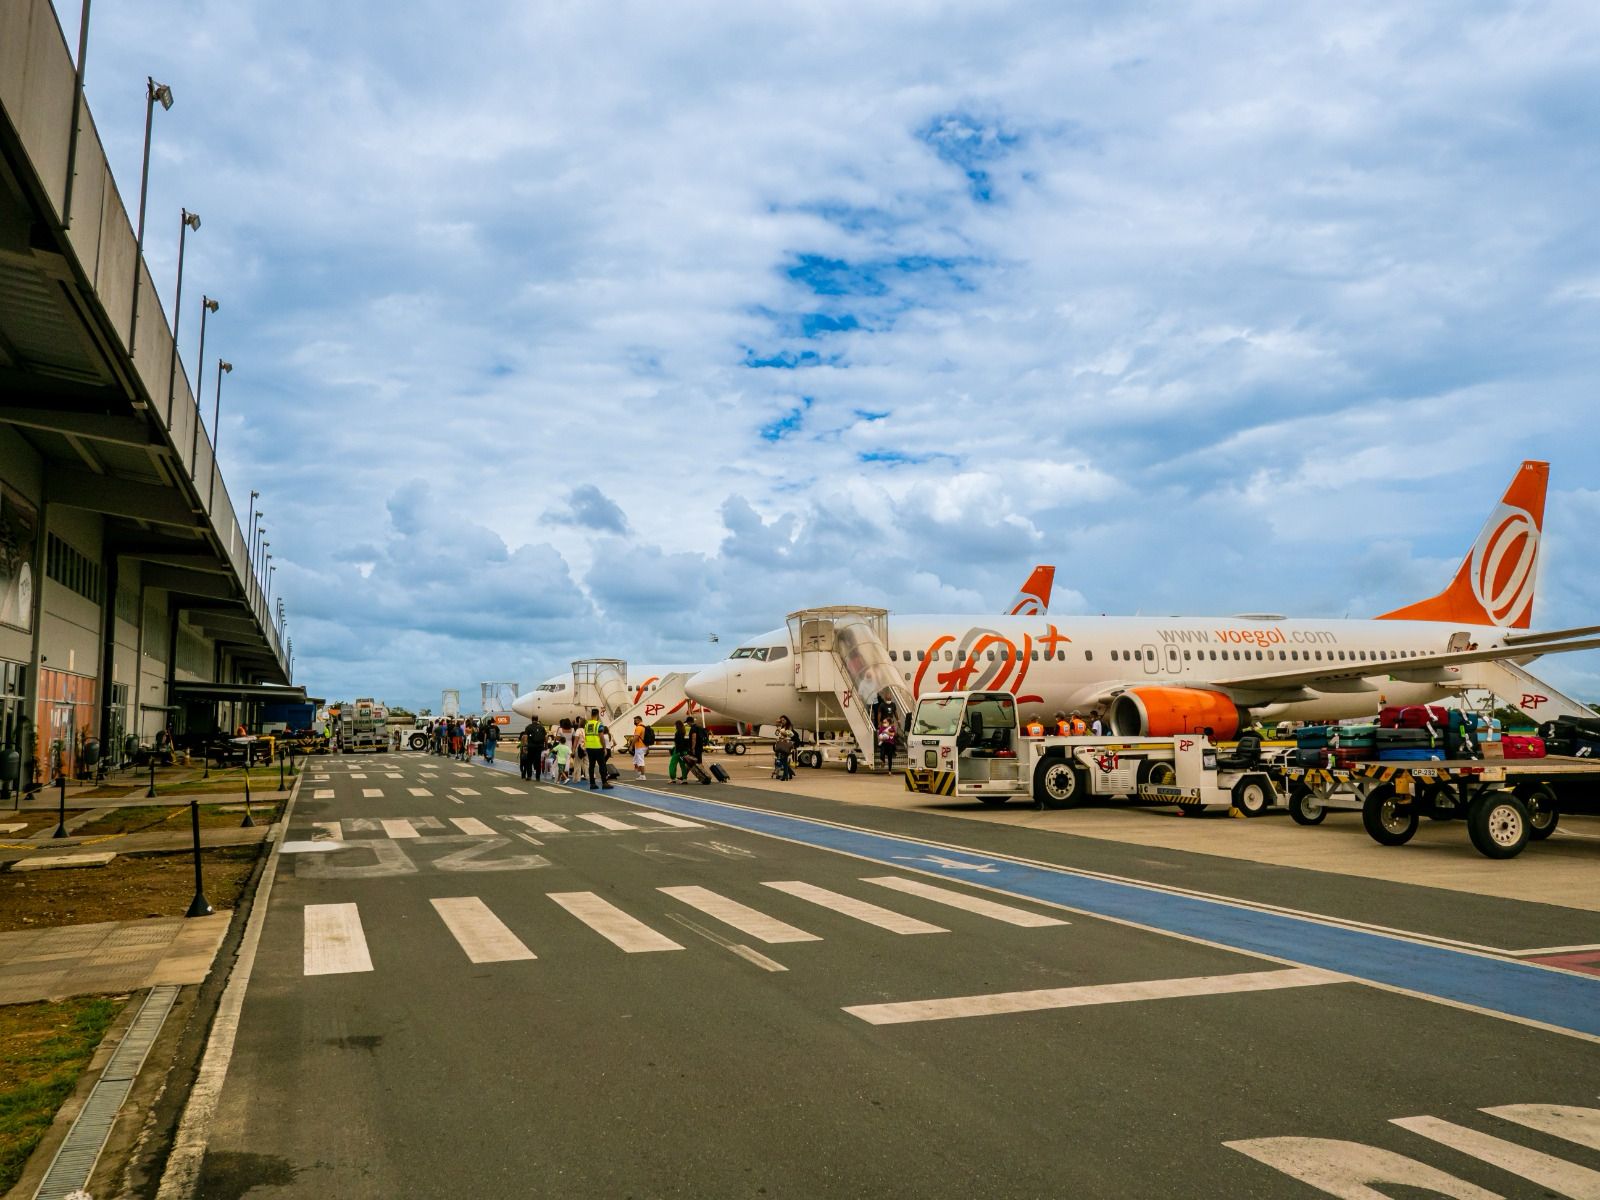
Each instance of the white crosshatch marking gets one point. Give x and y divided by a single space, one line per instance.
334 941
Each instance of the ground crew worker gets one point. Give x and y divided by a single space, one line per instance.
594 748
1079 725
1062 727
1034 727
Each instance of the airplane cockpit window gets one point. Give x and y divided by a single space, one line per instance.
774 653
551 687
759 653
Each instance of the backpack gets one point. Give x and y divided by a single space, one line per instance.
649 735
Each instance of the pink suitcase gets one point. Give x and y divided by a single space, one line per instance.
1522 746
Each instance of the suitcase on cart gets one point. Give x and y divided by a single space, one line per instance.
1522 746
1413 716
718 773
1408 738
1398 754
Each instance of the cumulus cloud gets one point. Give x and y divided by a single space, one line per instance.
718 311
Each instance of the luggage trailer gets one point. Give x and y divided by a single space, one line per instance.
968 745
1505 802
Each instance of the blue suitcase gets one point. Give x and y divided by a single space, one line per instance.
1409 754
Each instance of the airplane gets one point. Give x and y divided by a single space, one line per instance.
1165 676
557 697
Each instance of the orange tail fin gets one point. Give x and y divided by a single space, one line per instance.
1495 583
1034 598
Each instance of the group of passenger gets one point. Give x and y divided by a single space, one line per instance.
570 751
463 738
1063 725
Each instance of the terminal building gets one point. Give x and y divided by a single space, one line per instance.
131 601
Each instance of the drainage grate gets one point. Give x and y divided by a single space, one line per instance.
80 1150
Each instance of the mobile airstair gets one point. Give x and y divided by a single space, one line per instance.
602 683
843 670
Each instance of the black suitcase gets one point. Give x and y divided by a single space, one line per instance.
612 773
1408 739
718 773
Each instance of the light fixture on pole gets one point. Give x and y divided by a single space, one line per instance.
207 305
153 91
250 546
77 112
190 221
255 534
271 571
216 420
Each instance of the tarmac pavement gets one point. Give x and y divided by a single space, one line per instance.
467 984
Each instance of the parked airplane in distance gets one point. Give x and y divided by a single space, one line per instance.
1162 676
558 697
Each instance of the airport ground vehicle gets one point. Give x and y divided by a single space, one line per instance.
1506 803
363 726
970 744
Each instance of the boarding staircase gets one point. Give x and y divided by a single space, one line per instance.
657 703
842 667
602 683
1523 690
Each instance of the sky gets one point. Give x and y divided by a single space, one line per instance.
565 330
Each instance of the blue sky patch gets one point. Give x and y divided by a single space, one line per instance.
790 422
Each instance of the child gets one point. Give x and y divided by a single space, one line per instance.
563 758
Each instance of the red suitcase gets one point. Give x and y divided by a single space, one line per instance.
1522 746
1413 716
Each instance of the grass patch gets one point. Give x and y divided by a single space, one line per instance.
157 818
43 1049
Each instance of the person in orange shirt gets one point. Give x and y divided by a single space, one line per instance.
1034 728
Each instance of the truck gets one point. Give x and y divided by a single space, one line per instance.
363 726
969 744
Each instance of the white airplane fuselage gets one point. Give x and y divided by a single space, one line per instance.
557 698
1072 663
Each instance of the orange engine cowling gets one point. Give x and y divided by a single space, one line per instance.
1165 711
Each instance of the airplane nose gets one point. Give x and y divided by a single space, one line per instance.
523 706
709 688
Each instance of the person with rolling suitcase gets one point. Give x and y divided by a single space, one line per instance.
695 748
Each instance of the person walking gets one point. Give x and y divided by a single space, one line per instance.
783 744
537 737
676 771
563 751
491 739
887 736
695 748
594 746
639 746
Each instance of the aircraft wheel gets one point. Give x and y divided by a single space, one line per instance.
1252 795
1058 784
1304 807
1388 822
1498 824
1540 800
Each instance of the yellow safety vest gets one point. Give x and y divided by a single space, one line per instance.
591 734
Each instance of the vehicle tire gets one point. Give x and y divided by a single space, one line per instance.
1304 807
1058 784
852 764
1543 818
418 741
1388 821
738 748
1252 795
1498 824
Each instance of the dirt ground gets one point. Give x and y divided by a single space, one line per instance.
43 1050
129 889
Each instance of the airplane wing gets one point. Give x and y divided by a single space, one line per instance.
1425 668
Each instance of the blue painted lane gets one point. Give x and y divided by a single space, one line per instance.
1525 990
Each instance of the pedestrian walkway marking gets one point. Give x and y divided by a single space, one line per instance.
974 904
335 944
357 775
539 824
391 775
327 831
372 793
419 791
547 787
465 791
319 779
604 821
674 822
611 923
322 794
744 919
508 790
481 934
399 829
861 910
909 1011
1556 1175
472 825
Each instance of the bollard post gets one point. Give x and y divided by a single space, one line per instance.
150 795
61 809
293 770
280 770
199 906
206 774
248 822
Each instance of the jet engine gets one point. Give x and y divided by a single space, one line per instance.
1165 711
